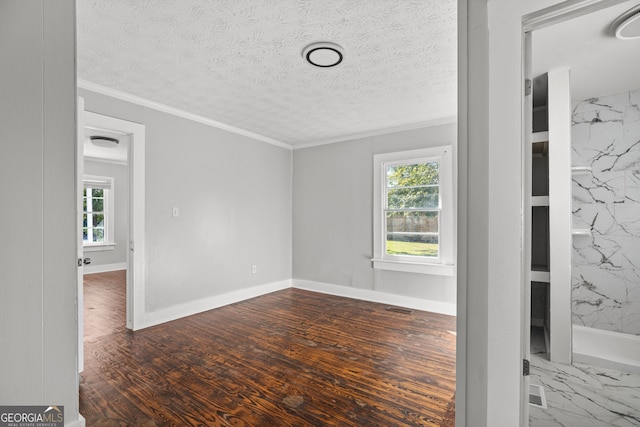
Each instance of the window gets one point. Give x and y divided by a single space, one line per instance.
97 221
414 217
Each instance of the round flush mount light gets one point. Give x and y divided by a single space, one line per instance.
627 26
323 54
104 141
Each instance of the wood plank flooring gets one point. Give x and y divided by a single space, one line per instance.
104 304
290 358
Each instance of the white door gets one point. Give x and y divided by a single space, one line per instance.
79 224
560 242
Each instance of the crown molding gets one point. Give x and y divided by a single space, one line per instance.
377 132
134 99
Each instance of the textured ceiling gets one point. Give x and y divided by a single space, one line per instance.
239 61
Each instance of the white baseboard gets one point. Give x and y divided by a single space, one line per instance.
374 296
103 268
607 349
80 422
194 307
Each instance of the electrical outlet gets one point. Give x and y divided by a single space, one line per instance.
254 269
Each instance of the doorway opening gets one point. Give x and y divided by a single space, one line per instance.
133 134
105 230
582 322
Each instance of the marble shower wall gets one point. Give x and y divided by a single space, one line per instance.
606 263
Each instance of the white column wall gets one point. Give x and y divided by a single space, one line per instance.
490 264
38 315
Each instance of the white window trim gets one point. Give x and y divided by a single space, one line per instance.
443 265
97 247
109 244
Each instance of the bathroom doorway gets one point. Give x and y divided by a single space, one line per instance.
602 309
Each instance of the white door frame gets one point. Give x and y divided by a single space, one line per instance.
525 307
79 222
136 255
535 21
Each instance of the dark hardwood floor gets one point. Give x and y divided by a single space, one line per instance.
290 358
104 304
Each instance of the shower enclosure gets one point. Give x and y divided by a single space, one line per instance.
605 284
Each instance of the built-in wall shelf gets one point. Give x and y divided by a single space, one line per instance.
540 276
540 201
580 170
539 137
549 219
581 232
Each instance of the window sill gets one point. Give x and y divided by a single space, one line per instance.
99 247
414 267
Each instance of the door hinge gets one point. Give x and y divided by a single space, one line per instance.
527 87
525 367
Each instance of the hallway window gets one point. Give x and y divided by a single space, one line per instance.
414 210
97 221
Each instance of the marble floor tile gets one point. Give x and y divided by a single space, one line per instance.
584 396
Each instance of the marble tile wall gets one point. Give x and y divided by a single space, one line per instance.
606 263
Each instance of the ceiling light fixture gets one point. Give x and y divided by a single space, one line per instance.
323 54
627 26
104 141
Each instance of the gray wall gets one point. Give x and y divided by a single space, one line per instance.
38 288
333 214
234 196
120 173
